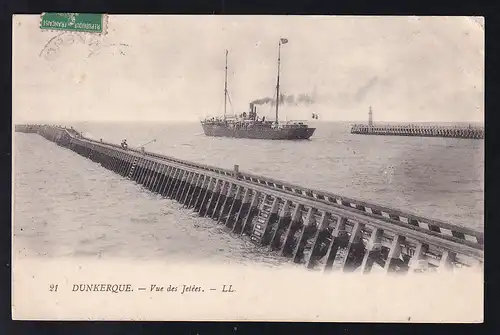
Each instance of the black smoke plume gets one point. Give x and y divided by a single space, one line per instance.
301 99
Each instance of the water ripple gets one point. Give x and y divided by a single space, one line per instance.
65 204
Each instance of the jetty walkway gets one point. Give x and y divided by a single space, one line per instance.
419 130
318 229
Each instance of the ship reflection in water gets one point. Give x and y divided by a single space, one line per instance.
250 126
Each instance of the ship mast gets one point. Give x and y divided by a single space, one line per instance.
281 41
278 81
225 89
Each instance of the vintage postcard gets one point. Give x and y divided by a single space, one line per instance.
249 168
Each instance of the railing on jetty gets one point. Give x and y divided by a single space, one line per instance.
419 130
319 229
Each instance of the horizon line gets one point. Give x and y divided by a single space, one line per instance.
52 122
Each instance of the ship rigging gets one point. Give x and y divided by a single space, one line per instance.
250 126
281 41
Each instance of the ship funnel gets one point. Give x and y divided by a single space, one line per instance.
253 111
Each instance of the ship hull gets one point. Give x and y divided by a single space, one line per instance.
259 133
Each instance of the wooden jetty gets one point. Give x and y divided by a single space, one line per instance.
417 130
321 230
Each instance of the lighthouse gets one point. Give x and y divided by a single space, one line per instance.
370 117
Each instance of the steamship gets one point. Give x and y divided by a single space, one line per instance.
250 125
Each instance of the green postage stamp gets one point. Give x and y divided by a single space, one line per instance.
75 22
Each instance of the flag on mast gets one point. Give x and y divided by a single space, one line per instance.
284 40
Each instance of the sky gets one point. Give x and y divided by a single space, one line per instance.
171 68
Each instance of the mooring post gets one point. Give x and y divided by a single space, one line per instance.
237 171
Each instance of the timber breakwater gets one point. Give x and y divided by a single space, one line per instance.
416 130
320 230
419 130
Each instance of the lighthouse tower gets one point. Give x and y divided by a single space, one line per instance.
370 117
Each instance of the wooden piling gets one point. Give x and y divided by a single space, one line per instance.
323 230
